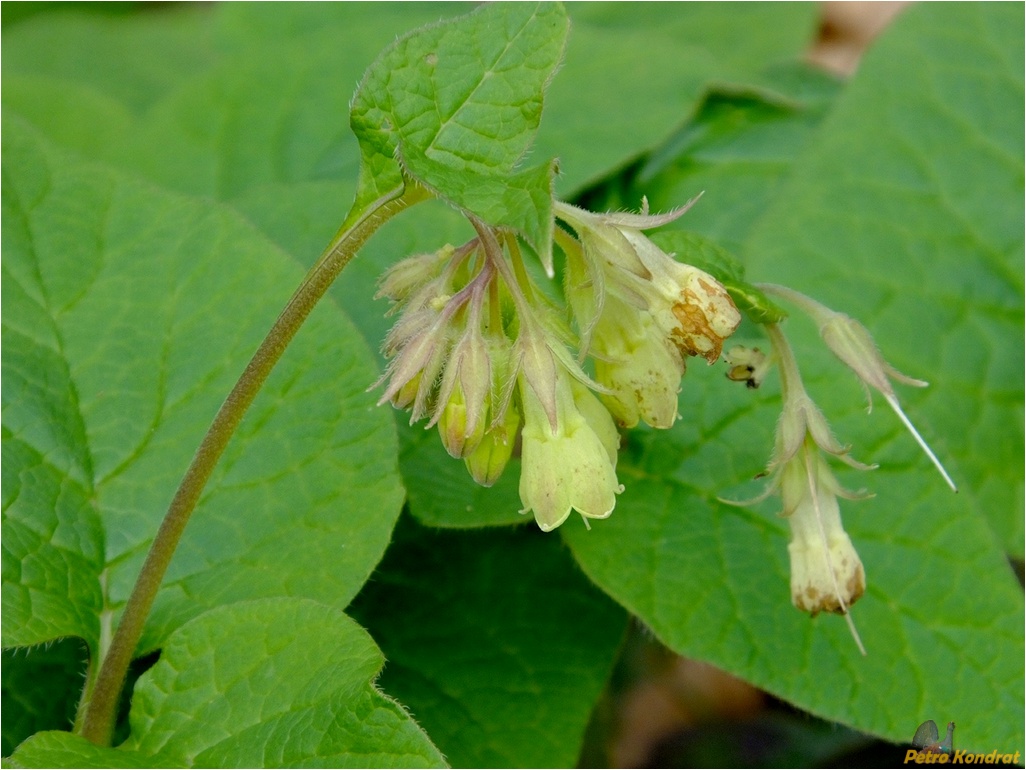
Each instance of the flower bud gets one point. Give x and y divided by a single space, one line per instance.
418 359
406 276
462 407
403 397
487 462
460 436
851 342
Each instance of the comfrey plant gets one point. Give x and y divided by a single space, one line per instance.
548 341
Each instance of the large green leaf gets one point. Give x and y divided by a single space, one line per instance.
474 628
741 37
128 314
267 683
256 108
70 45
900 212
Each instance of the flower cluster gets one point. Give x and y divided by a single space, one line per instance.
486 355
483 351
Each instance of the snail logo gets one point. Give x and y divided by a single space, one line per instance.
927 739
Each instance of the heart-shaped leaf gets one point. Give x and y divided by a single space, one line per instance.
456 106
128 313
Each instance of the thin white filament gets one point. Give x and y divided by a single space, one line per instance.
926 448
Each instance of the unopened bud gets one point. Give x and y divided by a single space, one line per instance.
851 342
459 437
409 274
405 395
487 462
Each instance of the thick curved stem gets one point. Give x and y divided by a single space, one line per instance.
101 711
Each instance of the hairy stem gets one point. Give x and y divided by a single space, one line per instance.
101 711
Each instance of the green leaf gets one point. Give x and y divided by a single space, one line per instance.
742 37
267 683
496 683
257 109
128 314
456 107
164 45
900 213
59 749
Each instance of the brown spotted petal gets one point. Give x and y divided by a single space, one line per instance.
693 308
705 315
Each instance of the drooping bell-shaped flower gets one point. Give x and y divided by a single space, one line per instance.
640 367
568 464
826 572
